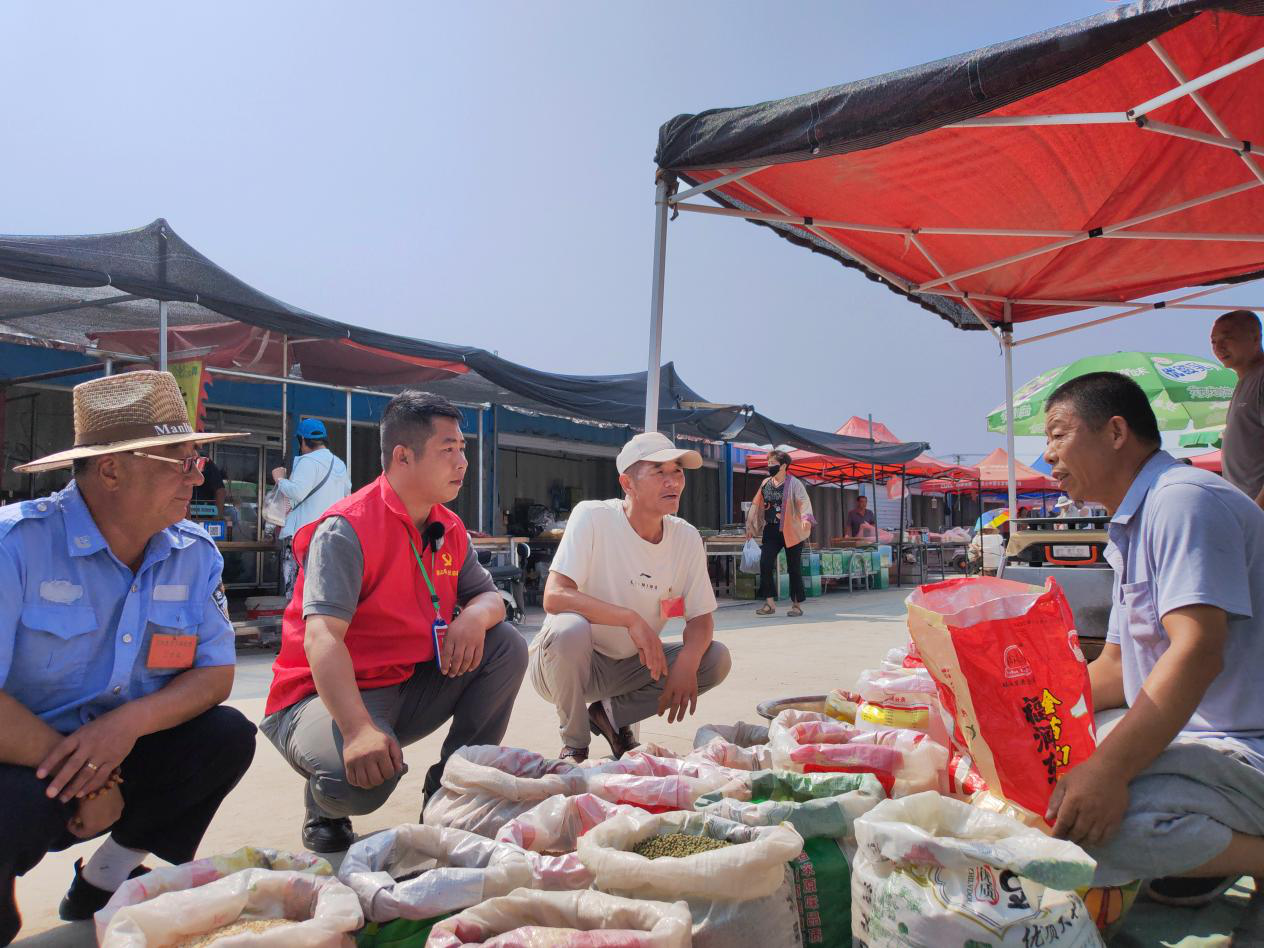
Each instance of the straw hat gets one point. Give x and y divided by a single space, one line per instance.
127 412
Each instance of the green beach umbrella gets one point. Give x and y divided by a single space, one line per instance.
1182 388
1207 438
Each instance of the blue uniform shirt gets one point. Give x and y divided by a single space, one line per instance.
76 624
1184 537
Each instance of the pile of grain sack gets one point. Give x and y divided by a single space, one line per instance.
872 819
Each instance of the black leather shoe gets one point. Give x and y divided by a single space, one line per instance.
621 740
323 834
84 900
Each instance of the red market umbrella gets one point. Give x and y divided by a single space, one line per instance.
1211 461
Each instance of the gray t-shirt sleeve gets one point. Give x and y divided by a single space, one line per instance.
334 571
473 580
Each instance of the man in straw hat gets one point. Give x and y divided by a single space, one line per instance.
115 652
624 569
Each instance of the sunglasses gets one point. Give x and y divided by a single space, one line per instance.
187 465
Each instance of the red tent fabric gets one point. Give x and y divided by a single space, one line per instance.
250 348
923 464
1211 461
990 474
951 183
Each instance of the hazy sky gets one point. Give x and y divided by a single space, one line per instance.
482 173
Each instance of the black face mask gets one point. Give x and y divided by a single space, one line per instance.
774 470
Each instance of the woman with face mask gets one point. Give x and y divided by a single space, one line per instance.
780 516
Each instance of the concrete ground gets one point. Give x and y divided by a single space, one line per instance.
840 635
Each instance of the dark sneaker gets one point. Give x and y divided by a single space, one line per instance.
621 740
84 900
323 834
576 754
1185 892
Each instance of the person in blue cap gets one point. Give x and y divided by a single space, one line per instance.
318 480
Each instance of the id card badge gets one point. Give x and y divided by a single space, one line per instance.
171 651
672 607
438 632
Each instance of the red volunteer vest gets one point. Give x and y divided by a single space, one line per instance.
390 632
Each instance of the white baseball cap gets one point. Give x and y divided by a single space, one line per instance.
658 449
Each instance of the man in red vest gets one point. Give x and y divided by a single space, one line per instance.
381 575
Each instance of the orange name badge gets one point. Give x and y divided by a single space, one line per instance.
672 607
171 651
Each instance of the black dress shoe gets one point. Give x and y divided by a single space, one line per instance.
84 900
323 834
621 740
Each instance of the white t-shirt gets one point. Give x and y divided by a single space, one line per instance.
608 560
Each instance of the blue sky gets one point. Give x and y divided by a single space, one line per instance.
483 174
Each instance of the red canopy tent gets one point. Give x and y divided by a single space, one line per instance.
992 474
1089 165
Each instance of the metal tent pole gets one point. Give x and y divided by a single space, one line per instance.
1007 345
482 475
873 481
285 407
162 335
348 457
661 207
899 570
162 304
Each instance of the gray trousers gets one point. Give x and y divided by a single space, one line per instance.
1182 811
478 703
567 672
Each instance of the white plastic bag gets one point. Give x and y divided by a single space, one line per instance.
751 554
190 875
324 910
276 507
420 872
935 872
902 697
738 746
732 757
525 919
741 734
657 784
823 808
739 896
550 831
904 761
485 786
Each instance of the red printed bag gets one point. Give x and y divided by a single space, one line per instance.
1007 660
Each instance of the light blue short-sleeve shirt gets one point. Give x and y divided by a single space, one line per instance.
76 624
1185 537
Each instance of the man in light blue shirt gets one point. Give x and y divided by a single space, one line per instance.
115 652
1177 786
318 481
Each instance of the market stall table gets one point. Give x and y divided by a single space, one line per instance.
726 551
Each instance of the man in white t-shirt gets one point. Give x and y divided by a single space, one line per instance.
624 568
